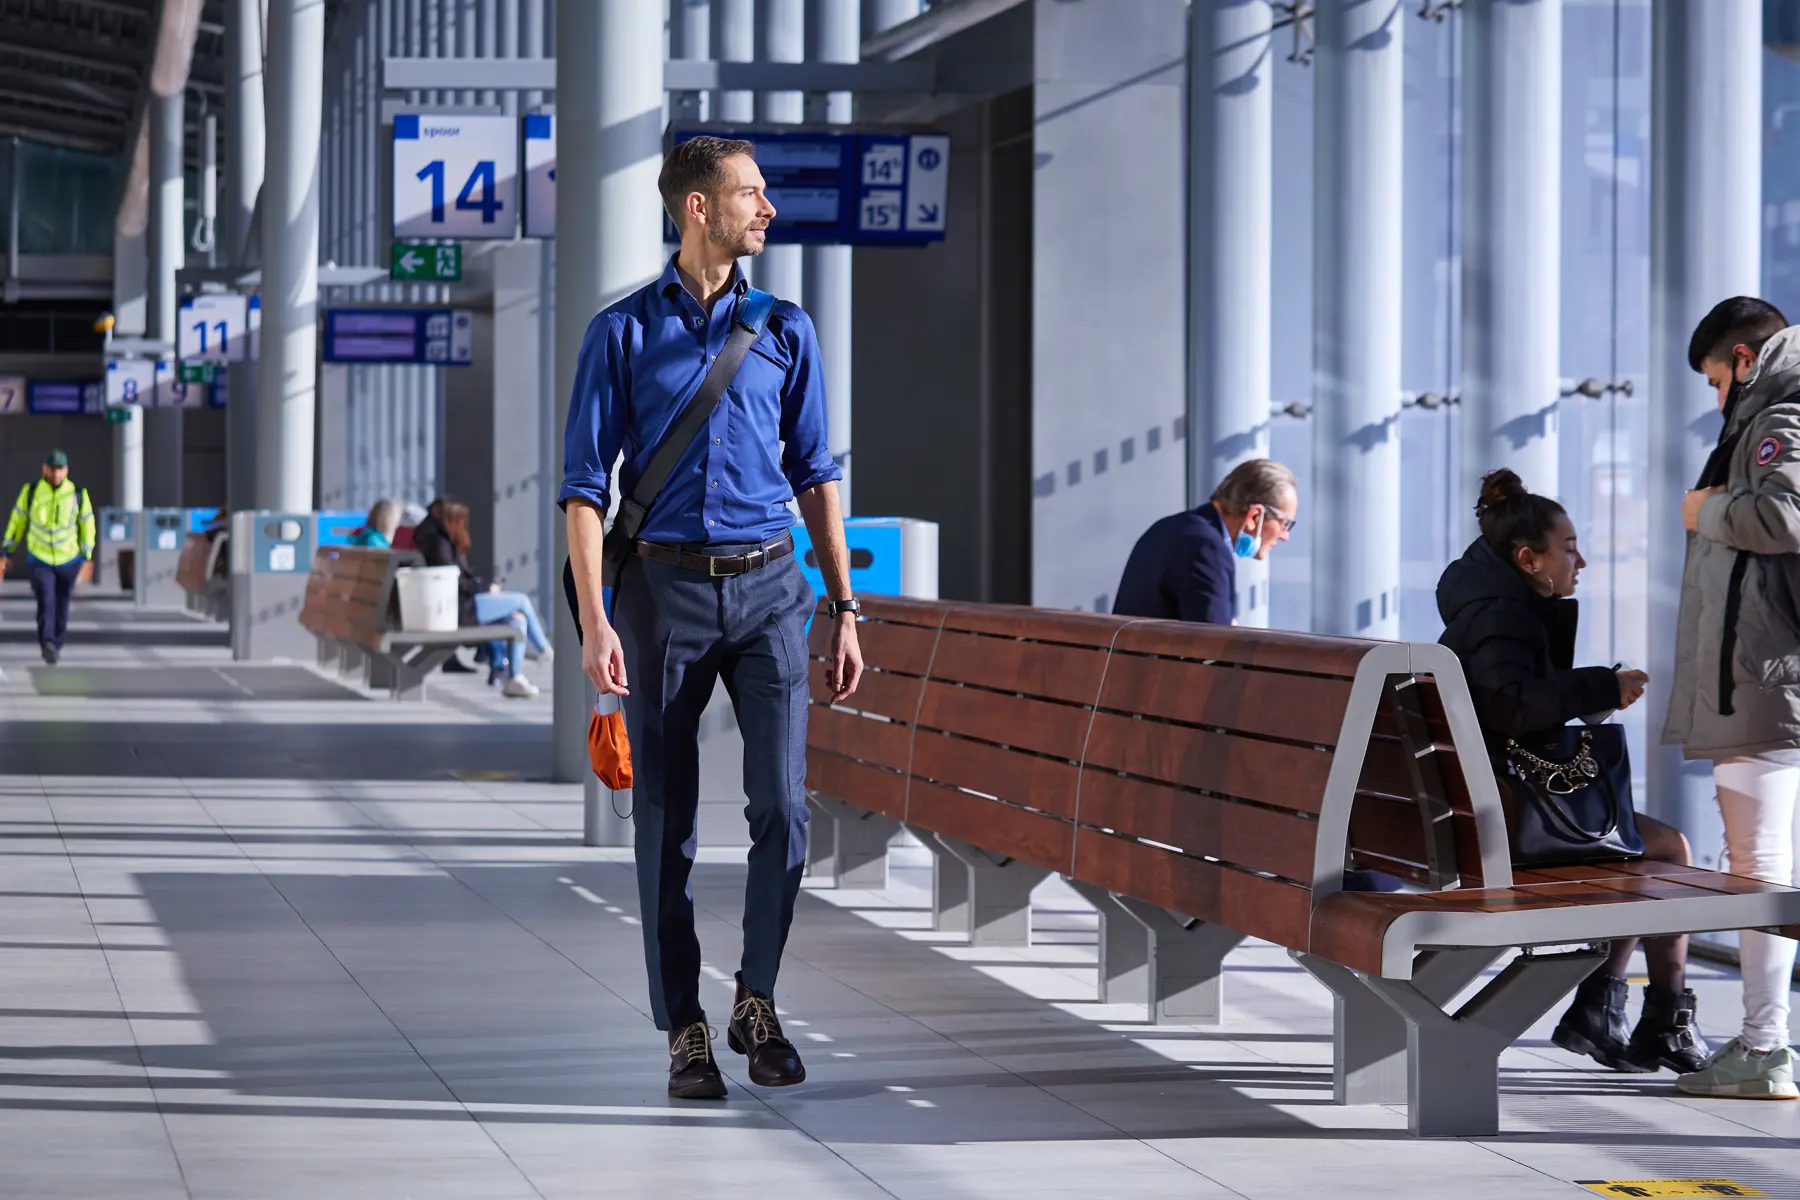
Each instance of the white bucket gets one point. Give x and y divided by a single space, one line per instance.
428 598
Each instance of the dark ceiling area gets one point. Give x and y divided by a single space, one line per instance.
74 73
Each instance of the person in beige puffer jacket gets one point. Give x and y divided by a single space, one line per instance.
1735 692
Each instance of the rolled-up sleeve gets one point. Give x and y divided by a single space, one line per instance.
805 446
597 408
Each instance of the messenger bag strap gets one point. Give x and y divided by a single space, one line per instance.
747 325
752 315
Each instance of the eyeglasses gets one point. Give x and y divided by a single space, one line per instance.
1288 523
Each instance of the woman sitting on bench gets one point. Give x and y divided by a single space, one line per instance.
442 538
1509 619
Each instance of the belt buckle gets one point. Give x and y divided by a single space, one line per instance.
712 567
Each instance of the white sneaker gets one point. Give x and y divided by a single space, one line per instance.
520 688
1734 1072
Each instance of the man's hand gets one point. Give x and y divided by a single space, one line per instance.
1690 507
603 659
1631 687
846 668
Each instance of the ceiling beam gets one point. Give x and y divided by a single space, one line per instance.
52 138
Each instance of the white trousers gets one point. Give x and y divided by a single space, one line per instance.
1757 797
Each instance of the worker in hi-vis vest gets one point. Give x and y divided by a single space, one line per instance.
56 521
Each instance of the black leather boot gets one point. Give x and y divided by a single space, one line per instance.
1594 1024
1666 1034
693 1073
755 1033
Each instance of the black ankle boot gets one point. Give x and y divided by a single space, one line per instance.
1594 1024
1666 1034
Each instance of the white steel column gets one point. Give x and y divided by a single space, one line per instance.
131 270
168 254
781 37
1511 243
244 162
1360 70
1230 248
1705 246
834 34
690 37
734 40
609 109
289 383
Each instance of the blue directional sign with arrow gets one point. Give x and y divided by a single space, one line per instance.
848 187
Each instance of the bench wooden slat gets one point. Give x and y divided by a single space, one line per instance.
1046 784
884 743
1291 777
1057 730
1028 836
872 788
886 645
1047 670
1299 652
1296 707
1266 908
1247 835
895 697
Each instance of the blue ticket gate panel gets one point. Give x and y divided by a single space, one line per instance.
117 531
160 534
337 526
271 559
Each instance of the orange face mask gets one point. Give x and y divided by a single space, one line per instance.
609 750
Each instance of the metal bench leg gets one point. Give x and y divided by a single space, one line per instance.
821 842
380 673
1453 1060
411 674
1125 969
857 840
949 884
1187 964
1369 1037
329 654
999 892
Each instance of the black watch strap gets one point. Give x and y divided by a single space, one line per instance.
838 608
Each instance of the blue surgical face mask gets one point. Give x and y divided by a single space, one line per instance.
1246 544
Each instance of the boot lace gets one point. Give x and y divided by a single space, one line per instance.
695 1043
759 1015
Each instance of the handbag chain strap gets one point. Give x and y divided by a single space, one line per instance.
1557 778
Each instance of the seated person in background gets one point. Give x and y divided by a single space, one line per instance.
377 532
1510 622
1184 568
443 540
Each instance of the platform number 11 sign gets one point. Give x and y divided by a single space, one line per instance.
455 176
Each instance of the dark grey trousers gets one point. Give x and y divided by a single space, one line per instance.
682 632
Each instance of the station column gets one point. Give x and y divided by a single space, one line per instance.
244 159
609 102
1706 84
1230 249
288 387
1360 73
833 30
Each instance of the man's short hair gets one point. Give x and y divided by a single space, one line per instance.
1256 481
1741 320
696 165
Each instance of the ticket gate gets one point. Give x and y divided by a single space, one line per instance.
117 532
271 560
157 554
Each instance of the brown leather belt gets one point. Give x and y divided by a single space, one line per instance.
717 566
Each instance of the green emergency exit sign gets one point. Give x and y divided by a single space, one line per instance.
198 372
427 264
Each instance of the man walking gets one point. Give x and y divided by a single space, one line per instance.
57 522
715 394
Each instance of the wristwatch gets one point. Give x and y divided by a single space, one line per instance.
838 608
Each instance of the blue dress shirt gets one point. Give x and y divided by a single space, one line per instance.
643 359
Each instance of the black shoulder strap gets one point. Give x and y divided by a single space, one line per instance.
752 315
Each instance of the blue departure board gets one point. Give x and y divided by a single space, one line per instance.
441 337
847 188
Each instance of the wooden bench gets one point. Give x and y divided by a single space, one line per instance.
1199 784
353 609
199 573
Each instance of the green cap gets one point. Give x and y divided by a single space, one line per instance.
57 459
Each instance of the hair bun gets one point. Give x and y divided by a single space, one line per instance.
1499 487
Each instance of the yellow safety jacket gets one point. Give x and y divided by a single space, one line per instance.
57 523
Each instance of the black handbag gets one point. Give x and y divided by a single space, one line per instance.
1568 797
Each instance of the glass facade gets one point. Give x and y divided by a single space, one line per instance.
1603 476
68 199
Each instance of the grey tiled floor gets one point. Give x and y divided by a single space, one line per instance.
267 946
